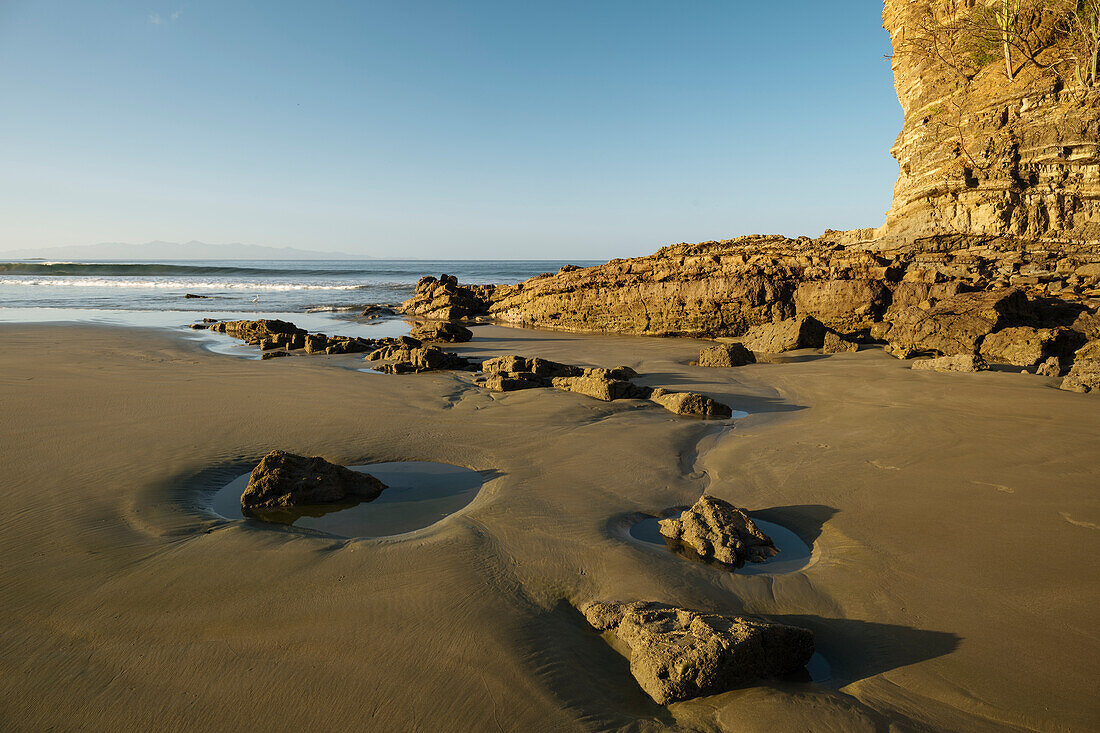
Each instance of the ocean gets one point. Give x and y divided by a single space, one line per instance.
318 295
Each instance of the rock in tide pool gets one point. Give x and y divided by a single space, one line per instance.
793 333
957 363
716 529
726 355
284 479
442 331
690 404
677 653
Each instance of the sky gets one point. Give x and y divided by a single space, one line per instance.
422 128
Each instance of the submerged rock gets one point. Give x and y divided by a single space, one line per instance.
442 331
690 404
284 479
793 333
957 363
677 653
726 355
716 529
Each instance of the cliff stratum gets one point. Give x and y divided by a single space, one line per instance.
980 153
995 223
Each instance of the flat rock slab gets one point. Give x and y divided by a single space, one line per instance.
284 479
677 654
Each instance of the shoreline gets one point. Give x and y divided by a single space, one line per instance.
136 603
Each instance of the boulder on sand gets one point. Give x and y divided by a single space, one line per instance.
1084 375
1028 347
805 332
678 653
834 343
601 388
725 355
691 404
284 479
716 529
957 324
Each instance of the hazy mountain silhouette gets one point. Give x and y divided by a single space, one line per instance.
176 251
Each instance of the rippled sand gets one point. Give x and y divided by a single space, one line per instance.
953 520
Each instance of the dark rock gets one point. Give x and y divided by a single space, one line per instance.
677 653
716 529
274 354
192 295
445 300
284 479
377 311
725 355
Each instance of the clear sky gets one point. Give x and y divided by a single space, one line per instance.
480 129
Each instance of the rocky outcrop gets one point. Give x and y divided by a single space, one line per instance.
444 299
725 355
1084 375
982 154
601 387
957 324
805 332
284 479
715 529
410 356
271 335
445 331
1028 347
677 653
957 363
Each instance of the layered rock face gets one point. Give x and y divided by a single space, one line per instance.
986 155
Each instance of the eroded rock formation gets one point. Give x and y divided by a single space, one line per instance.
677 653
714 528
284 479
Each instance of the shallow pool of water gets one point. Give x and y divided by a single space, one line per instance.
794 554
419 494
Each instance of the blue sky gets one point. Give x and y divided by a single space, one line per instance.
487 129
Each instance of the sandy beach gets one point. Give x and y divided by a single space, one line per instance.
954 522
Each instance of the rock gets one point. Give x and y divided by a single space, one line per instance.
725 355
794 333
417 359
274 355
956 363
442 331
1084 375
1028 347
846 305
257 330
956 325
514 381
716 529
677 653
1087 324
600 388
690 404
344 345
1052 367
192 295
284 479
377 311
315 343
835 344
445 300
541 367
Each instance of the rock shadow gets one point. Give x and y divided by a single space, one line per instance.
857 650
805 520
581 670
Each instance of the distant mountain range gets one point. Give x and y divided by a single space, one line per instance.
176 251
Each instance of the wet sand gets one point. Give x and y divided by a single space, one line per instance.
954 518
